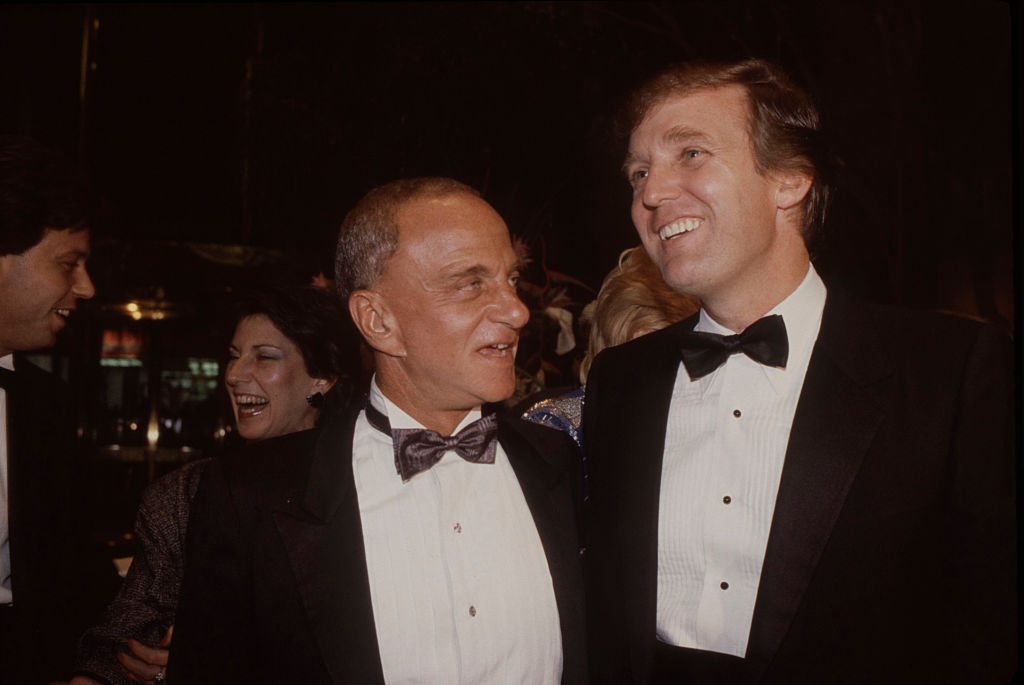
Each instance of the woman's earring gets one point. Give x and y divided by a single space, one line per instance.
316 400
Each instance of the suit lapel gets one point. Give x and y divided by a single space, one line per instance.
836 420
322 532
644 396
38 422
543 461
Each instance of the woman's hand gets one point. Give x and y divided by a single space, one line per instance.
147 664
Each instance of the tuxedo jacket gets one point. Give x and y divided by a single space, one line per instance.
276 586
59 578
890 557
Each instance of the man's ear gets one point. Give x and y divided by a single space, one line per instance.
791 188
376 322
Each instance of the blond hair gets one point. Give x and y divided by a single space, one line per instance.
634 299
785 127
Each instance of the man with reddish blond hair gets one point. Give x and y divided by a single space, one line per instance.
791 486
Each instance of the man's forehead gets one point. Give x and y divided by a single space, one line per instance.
430 216
703 104
67 240
443 204
698 116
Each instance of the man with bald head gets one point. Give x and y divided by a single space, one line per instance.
792 486
417 538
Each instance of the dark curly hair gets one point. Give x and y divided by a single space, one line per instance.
313 319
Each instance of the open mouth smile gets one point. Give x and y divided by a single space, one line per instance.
678 227
249 406
499 350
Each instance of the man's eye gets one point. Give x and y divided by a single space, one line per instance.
513 280
692 153
638 175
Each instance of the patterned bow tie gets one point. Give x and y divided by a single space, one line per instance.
763 341
418 449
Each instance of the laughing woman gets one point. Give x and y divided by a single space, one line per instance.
291 357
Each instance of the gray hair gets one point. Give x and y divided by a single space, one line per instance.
368 237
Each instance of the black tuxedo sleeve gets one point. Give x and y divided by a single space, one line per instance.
982 519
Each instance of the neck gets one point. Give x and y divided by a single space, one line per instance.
407 398
738 310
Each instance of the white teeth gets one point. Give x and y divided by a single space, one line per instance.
677 227
500 347
250 400
63 312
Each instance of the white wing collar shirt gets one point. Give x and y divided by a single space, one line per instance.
7 362
459 581
725 444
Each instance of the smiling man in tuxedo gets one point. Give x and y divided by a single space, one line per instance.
48 571
792 486
416 538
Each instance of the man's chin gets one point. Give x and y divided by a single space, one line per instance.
496 395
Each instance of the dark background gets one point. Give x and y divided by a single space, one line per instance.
261 125
226 143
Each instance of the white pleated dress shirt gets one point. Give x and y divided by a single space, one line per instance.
6 596
725 445
459 581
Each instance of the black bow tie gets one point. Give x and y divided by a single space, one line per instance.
763 341
6 377
417 449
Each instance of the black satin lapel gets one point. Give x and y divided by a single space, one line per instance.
330 475
837 417
537 453
322 533
643 397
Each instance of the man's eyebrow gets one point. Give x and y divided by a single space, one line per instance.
674 136
77 254
684 134
478 270
462 272
628 162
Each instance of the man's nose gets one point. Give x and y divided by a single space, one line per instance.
511 309
82 287
661 185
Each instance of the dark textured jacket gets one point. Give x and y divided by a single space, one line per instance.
145 606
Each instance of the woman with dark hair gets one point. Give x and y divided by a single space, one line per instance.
288 363
286 340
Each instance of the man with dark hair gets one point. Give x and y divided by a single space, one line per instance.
47 572
792 486
416 539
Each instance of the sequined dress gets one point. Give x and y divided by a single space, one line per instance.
563 413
